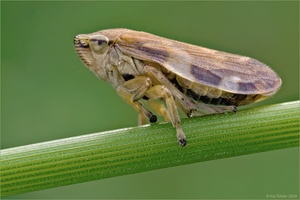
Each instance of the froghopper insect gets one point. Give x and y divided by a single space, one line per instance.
166 75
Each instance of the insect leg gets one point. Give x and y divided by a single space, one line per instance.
184 103
206 109
160 109
146 113
131 91
222 109
229 108
161 91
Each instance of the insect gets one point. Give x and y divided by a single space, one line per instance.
168 74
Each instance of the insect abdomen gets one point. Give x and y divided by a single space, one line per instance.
235 99
209 95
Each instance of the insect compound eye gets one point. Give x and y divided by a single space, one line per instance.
98 43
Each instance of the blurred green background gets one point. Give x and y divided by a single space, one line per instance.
48 94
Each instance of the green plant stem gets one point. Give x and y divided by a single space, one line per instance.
138 149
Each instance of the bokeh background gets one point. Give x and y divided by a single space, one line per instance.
48 94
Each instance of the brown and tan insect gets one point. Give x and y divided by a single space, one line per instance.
195 79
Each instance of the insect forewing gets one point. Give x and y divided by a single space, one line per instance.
225 71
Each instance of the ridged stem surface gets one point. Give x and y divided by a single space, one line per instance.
139 149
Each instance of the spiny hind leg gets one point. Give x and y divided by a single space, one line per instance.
208 109
161 91
223 109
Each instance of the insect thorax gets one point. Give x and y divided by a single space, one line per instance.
126 64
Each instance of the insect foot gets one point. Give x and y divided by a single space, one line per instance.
153 119
180 135
182 142
191 112
235 109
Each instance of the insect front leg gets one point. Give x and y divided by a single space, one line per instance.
132 91
161 91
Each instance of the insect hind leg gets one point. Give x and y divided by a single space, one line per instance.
208 109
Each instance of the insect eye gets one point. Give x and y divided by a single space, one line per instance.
98 43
